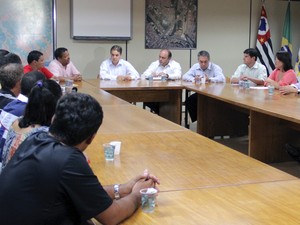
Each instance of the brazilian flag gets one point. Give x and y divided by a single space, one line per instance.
286 42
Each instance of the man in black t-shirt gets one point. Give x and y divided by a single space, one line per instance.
48 180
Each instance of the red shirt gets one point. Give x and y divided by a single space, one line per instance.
43 70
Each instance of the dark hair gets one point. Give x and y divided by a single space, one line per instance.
9 58
29 80
58 53
41 104
10 74
77 117
252 52
34 55
204 53
116 48
3 52
285 58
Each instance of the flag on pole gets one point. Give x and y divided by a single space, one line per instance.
286 41
264 43
297 66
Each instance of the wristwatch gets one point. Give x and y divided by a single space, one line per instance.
116 191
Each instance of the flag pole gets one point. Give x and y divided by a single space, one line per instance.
250 24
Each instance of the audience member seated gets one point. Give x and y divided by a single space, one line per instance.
204 68
116 68
7 57
35 61
283 74
37 117
3 52
62 67
48 181
16 108
10 79
250 70
164 66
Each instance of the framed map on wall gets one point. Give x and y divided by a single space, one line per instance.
27 25
171 24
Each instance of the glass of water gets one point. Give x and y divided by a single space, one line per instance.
109 151
148 196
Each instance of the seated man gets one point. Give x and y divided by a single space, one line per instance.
10 79
164 66
116 68
15 108
35 61
62 67
250 70
48 180
212 72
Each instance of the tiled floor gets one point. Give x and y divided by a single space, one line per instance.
241 144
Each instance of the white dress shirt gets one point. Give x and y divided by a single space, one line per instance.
257 71
173 69
109 71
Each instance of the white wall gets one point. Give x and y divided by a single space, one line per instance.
223 30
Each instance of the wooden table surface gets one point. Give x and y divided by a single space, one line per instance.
202 182
286 107
182 160
129 118
102 96
272 203
110 85
167 94
269 120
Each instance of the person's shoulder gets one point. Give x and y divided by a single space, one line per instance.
291 71
54 62
15 107
174 62
106 62
215 65
258 65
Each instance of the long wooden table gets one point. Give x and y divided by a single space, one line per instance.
202 182
270 120
272 203
168 94
182 159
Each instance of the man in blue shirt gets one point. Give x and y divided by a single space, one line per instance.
205 69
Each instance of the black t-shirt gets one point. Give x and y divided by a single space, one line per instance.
46 182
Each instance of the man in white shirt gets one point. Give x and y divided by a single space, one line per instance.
164 66
116 68
62 67
250 70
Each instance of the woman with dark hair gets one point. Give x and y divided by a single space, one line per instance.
283 74
37 116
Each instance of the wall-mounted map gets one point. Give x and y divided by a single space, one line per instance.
171 24
27 25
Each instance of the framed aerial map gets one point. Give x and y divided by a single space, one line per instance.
171 24
26 26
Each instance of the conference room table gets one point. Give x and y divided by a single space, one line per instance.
269 120
202 181
168 94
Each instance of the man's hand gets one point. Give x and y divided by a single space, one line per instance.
287 90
